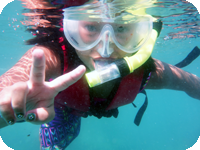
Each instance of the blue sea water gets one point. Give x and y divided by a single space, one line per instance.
172 118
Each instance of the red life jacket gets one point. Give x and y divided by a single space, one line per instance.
77 95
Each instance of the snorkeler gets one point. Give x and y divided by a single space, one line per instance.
113 47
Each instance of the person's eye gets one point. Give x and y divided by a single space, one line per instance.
91 28
121 29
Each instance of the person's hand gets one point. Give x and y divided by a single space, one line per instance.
33 100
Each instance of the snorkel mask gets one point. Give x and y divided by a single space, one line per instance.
104 24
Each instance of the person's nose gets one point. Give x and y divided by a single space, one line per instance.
104 48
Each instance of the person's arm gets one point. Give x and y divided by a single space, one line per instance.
30 97
170 77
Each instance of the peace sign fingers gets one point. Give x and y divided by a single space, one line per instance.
37 74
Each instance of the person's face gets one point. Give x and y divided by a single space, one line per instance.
89 32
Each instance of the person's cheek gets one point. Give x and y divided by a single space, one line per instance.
86 59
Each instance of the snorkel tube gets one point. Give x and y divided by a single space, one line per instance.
124 66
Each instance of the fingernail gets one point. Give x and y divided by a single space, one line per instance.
20 115
31 117
11 122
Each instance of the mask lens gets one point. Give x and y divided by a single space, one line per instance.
131 37
82 35
89 31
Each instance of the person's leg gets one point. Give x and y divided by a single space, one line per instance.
60 132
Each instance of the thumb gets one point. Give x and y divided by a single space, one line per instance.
40 115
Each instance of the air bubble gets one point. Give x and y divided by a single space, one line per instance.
166 38
14 19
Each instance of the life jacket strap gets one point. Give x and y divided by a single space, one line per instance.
142 109
189 58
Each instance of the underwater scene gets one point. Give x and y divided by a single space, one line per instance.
171 120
